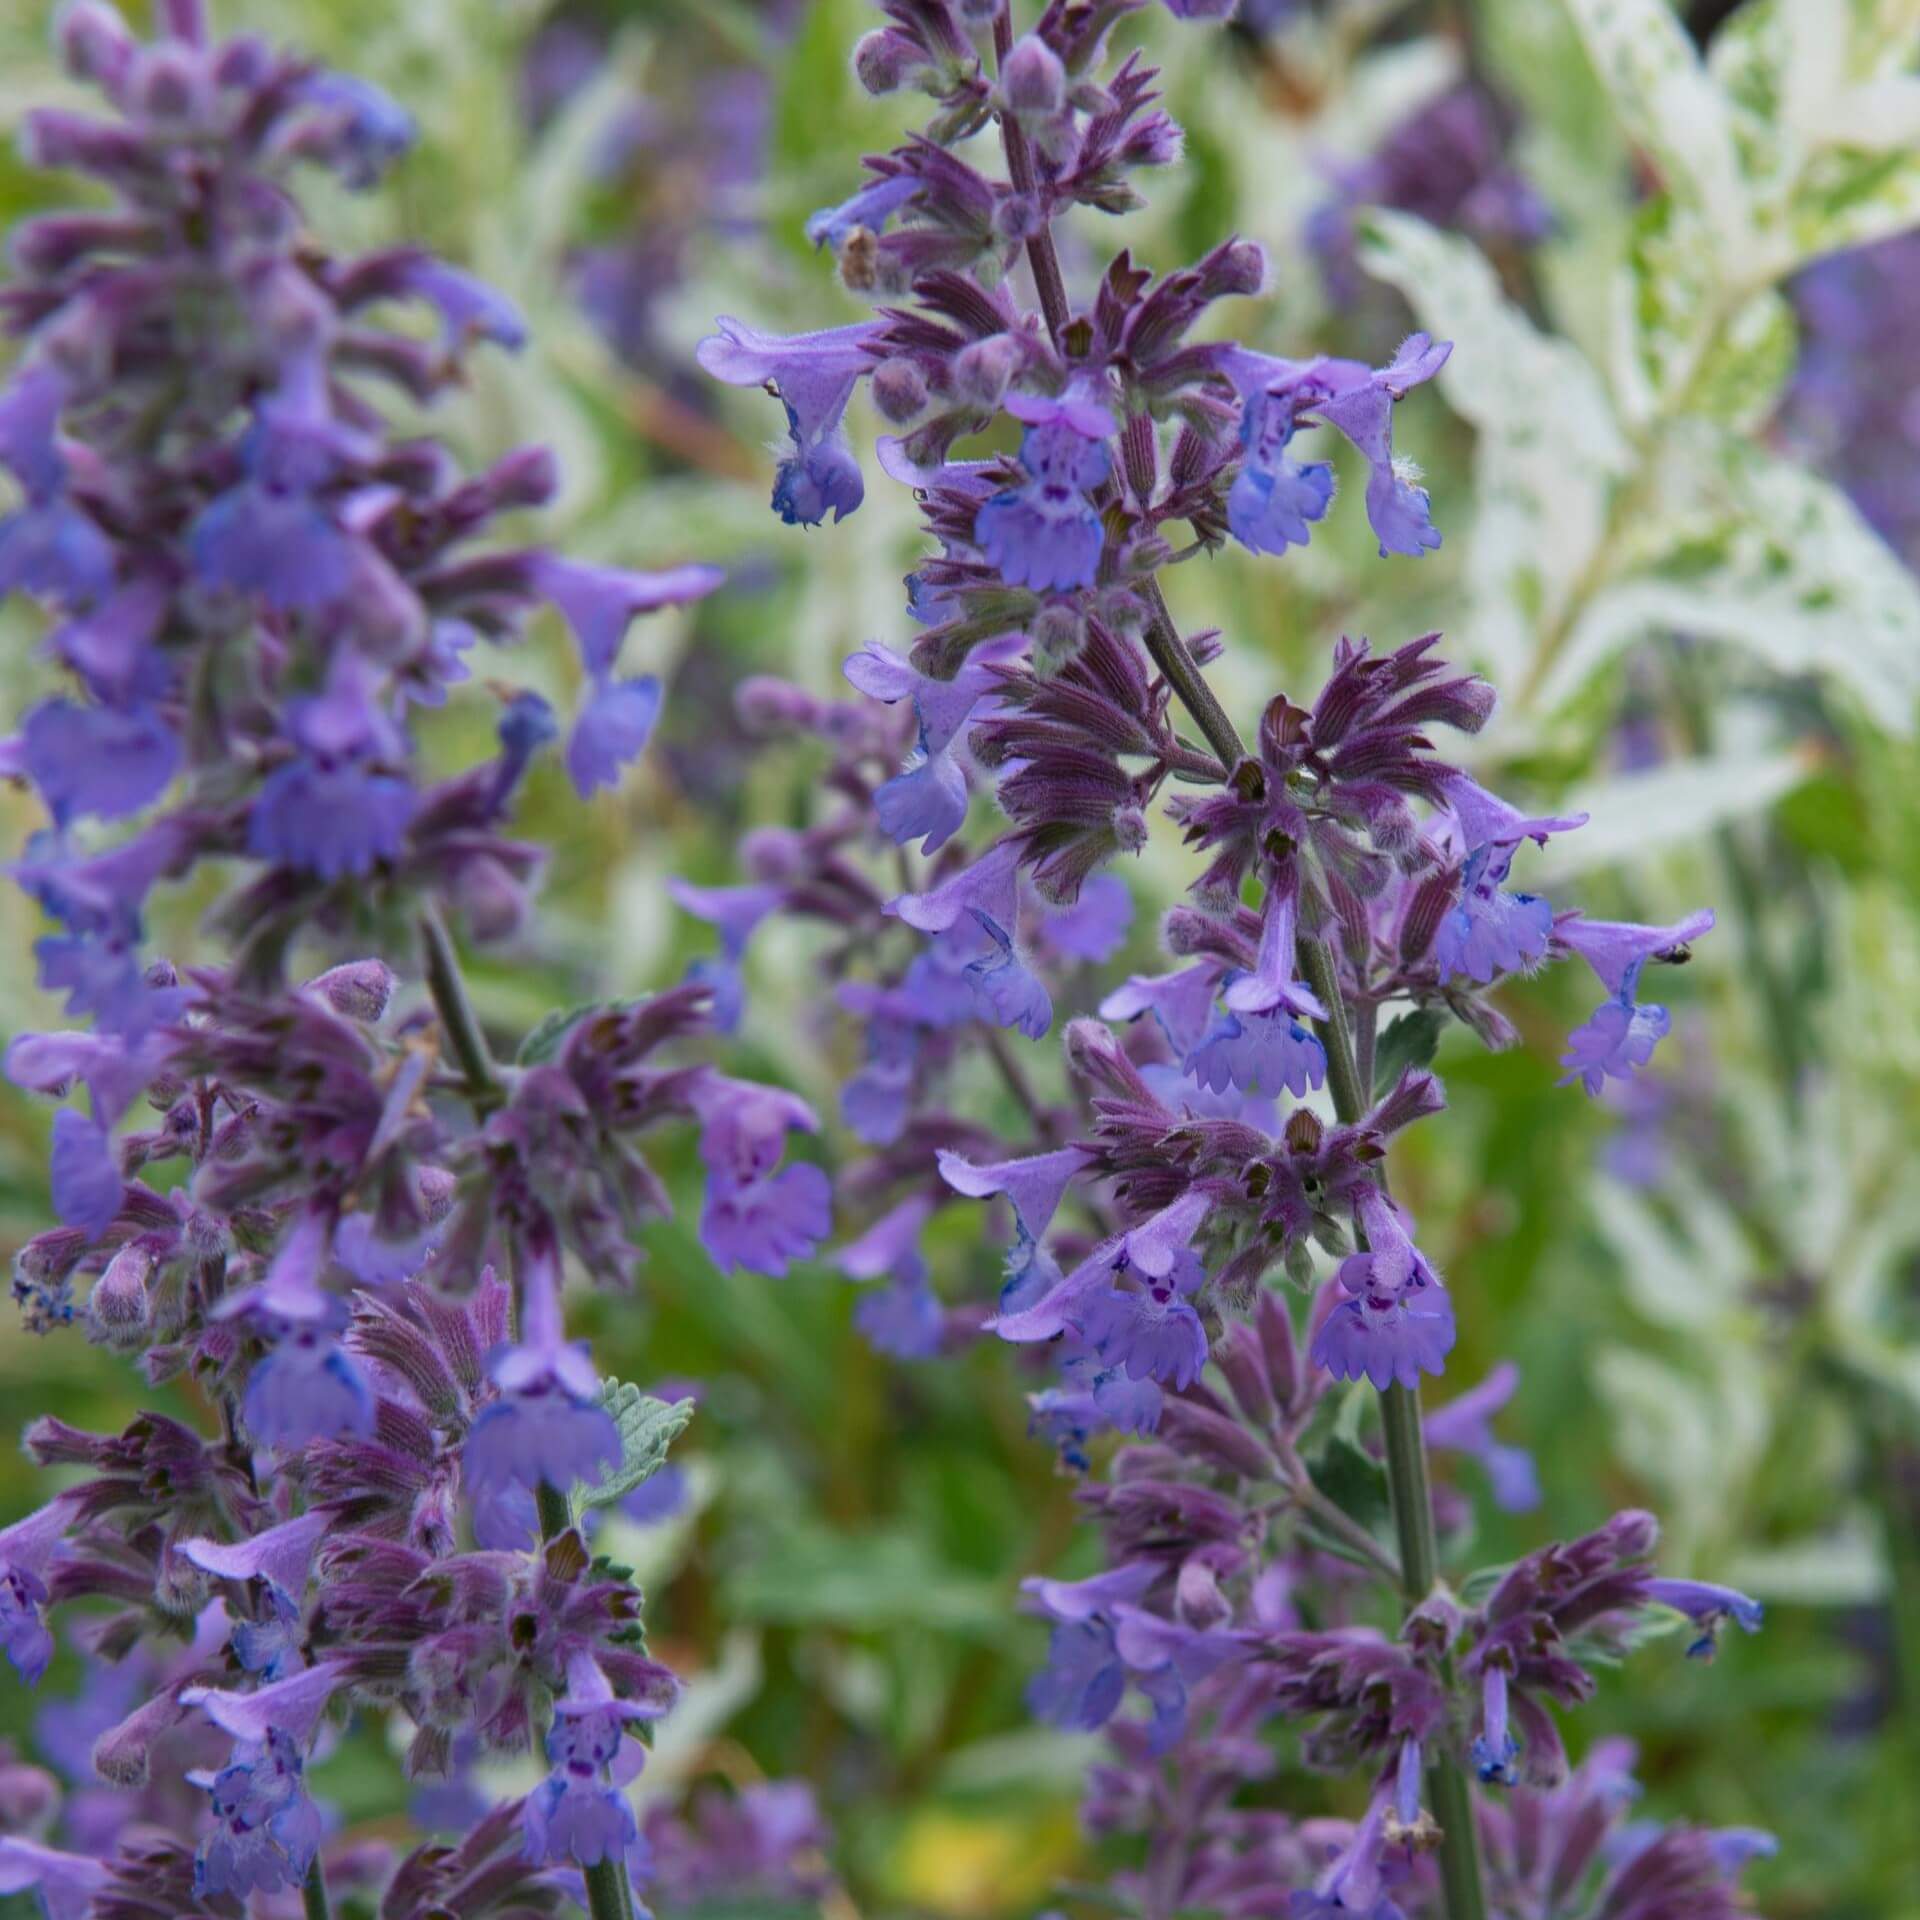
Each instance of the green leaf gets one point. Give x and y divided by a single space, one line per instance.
1669 106
1747 363
545 1041
1354 1481
1549 450
1746 548
1410 1041
647 1428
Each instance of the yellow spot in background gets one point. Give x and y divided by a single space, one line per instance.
974 1865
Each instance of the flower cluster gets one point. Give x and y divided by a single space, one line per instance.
308 1192
1355 892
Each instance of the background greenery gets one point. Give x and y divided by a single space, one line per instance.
1737 1345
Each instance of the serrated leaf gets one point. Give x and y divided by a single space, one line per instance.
1410 1041
648 1427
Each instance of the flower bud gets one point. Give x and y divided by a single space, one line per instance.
94 42
899 391
356 989
768 706
1033 83
120 1306
1018 218
1240 269
169 83
982 371
885 61
1129 829
28 1795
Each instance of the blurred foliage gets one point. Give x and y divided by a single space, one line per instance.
1736 1343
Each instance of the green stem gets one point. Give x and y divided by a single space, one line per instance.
1781 1016
609 1891
313 1893
1182 673
458 1021
1042 256
1407 1481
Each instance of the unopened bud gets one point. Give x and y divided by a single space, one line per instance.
1033 83
899 391
357 989
983 370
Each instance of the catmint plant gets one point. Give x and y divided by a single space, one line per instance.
285 1180
1356 891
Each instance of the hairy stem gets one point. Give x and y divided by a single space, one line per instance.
1182 673
313 1892
1041 255
458 1021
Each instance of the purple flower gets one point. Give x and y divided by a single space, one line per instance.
869 209
1033 1185
1153 1332
736 912
1398 1322
1385 1341
1263 1053
814 375
1273 500
1465 1425
1181 1003
903 1318
579 1812
1488 931
1494 1747
610 731
26 1549
1620 1036
330 820
1010 990
547 1427
65 1882
1095 927
1150 1252
85 1173
600 603
1709 1608
977 905
96 760
1352 1884
265 1830
928 801
1046 533
1280 395
758 1215
308 1388
1081 1686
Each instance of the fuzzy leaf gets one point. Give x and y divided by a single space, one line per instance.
1410 1041
647 1428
